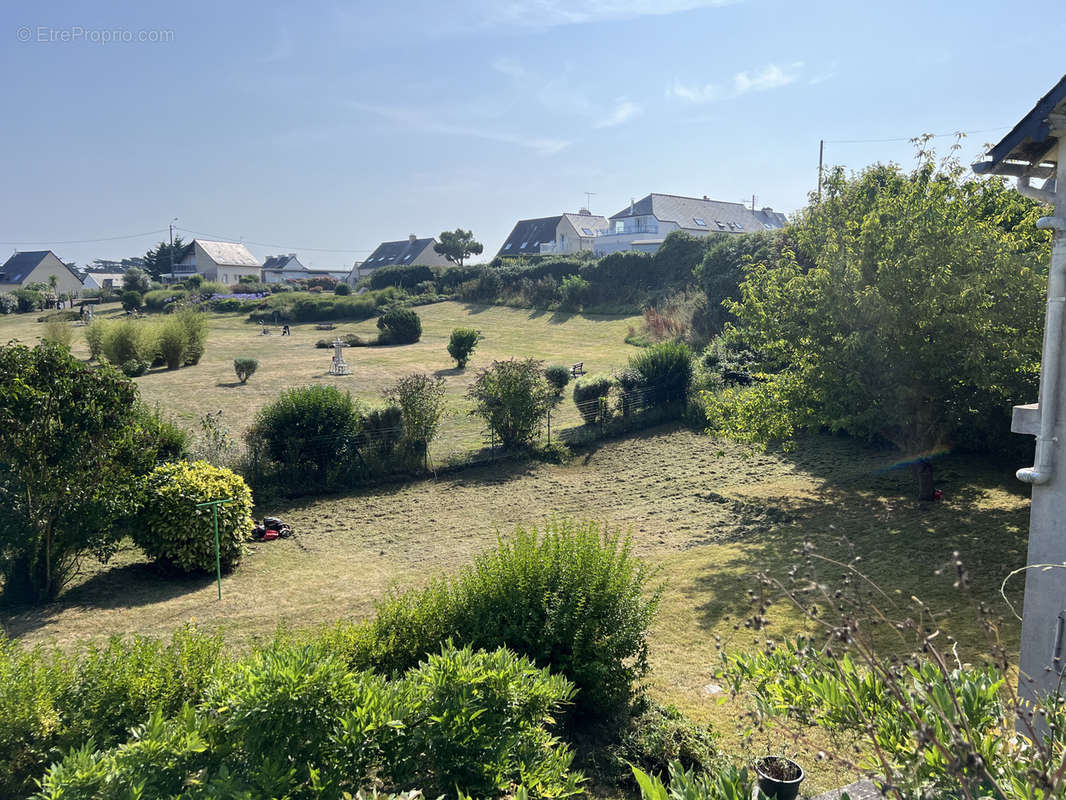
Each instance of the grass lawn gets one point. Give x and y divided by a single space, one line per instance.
711 513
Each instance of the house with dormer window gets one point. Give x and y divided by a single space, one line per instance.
646 223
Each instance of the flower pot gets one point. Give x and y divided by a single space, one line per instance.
779 777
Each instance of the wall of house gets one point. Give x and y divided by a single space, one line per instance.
66 282
430 258
616 242
230 274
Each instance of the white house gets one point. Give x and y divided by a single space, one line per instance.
286 267
405 252
38 266
562 235
645 224
224 262
102 280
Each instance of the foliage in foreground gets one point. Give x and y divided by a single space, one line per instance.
72 441
727 784
573 598
294 721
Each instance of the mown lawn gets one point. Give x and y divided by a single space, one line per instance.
710 513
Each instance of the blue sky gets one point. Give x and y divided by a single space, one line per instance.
335 126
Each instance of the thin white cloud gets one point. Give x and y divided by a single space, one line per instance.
511 68
552 13
543 145
624 111
769 77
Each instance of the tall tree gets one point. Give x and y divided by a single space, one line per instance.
157 262
73 443
457 246
909 312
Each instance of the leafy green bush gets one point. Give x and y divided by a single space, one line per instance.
382 431
513 397
574 290
590 396
399 325
171 529
665 370
462 344
131 300
574 599
173 342
403 277
659 736
162 299
130 340
136 280
729 783
342 290
420 399
310 434
28 299
558 376
245 367
630 398
134 367
8 303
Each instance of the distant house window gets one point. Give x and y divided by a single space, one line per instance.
700 222
523 245
619 226
740 227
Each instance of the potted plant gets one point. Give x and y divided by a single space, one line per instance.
779 777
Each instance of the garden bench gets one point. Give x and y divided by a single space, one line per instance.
324 326
577 369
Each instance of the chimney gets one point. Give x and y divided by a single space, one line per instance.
584 212
705 197
412 238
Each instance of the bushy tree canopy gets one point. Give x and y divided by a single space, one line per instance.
73 442
457 246
909 311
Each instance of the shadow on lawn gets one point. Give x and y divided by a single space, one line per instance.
121 587
902 544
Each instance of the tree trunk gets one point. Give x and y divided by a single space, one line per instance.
923 471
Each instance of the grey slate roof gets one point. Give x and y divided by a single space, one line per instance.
403 252
588 222
230 254
20 265
282 262
717 215
528 234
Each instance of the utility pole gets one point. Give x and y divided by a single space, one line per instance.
821 150
171 249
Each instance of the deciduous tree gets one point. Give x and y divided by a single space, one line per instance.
457 246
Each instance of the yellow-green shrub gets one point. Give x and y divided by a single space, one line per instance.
172 529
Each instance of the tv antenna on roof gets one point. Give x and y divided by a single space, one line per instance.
588 200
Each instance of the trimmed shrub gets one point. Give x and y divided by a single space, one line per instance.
574 289
8 303
399 325
590 397
171 529
342 290
665 370
131 300
134 368
173 342
162 299
462 344
129 340
513 397
558 376
310 433
94 337
245 367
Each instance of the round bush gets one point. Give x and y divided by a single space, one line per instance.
589 394
558 376
342 289
134 368
399 326
173 530
131 300
462 344
245 367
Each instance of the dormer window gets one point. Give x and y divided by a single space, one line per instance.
701 222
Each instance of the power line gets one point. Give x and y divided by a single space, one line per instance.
912 138
286 247
92 241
